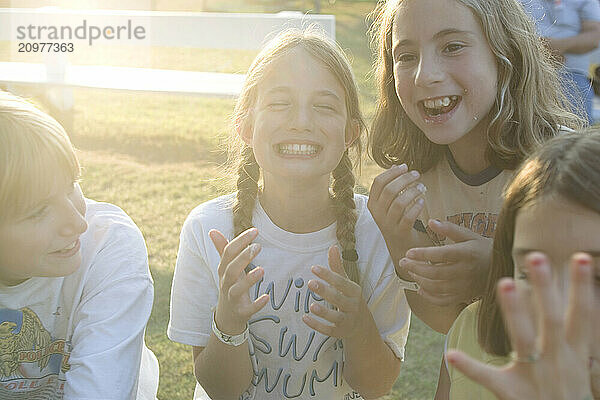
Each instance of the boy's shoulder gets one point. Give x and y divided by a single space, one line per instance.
111 241
100 212
106 219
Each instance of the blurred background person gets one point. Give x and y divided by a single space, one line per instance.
571 30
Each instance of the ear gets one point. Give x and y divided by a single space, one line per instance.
352 132
244 128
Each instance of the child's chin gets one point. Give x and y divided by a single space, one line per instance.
72 266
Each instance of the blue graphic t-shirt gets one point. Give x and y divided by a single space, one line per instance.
290 360
34 349
81 336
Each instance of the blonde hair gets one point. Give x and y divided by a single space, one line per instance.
565 167
530 106
35 152
242 157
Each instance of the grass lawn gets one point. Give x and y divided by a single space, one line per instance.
158 156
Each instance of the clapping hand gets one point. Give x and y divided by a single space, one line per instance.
235 307
350 308
450 274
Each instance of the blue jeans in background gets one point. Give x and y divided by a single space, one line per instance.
578 89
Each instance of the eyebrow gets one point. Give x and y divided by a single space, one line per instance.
443 32
285 89
278 89
521 252
328 93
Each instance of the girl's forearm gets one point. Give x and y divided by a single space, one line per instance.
224 371
438 318
370 367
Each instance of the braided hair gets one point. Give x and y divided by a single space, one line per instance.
343 180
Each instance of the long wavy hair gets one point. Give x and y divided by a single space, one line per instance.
565 167
529 108
35 153
241 156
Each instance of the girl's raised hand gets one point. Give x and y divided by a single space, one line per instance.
555 364
395 203
345 295
453 273
234 307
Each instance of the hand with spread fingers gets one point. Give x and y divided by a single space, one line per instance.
349 311
450 274
235 307
551 349
395 201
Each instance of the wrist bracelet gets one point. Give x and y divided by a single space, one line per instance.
231 340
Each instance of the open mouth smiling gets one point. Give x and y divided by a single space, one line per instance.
434 107
304 149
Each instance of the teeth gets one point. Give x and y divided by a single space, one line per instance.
441 102
303 149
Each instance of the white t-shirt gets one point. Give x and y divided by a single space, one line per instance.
82 336
290 360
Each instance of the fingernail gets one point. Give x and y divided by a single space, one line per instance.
421 188
410 253
508 286
403 167
403 262
315 307
415 173
583 260
451 358
435 222
537 261
316 269
254 248
584 264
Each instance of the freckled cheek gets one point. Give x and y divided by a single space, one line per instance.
401 85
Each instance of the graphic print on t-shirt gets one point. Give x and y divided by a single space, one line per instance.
308 364
30 359
482 223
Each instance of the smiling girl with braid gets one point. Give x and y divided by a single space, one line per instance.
303 301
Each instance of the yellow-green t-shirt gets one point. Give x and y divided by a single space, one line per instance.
463 336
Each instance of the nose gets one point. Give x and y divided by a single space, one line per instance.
429 71
301 118
73 221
